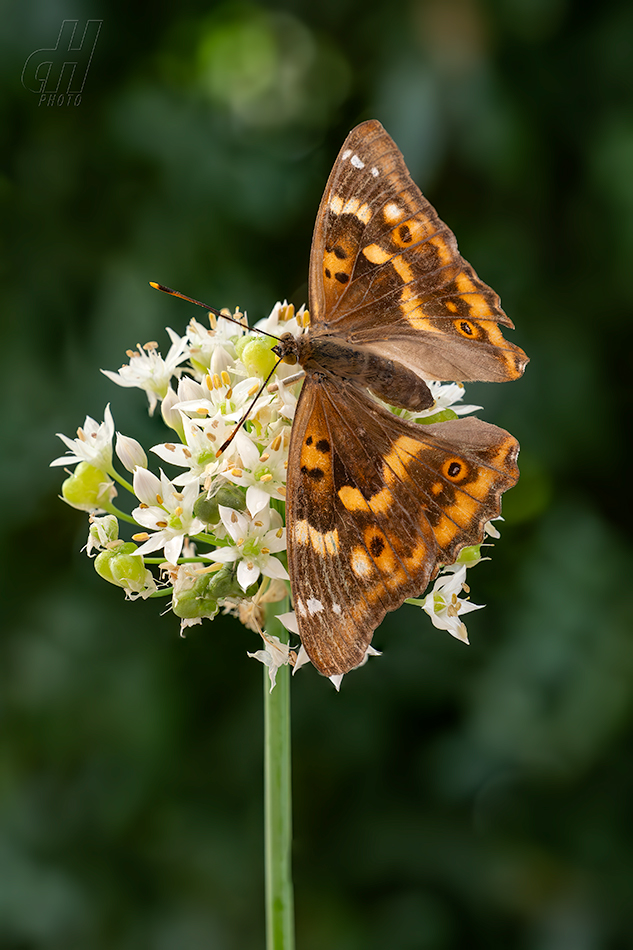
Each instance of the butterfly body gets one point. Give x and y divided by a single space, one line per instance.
328 356
376 505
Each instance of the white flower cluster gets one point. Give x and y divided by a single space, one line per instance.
218 525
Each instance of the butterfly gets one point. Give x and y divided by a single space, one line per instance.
375 504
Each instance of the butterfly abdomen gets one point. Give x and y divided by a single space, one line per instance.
389 380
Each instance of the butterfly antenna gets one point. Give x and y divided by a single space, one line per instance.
239 425
199 303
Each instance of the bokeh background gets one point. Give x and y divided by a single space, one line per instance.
449 795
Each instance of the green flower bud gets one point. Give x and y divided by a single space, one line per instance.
224 583
240 343
119 562
257 356
231 496
87 488
444 415
121 566
192 602
470 555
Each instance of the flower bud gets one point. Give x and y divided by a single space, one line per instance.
470 555
88 488
257 356
130 452
444 415
124 568
171 416
194 601
224 583
230 496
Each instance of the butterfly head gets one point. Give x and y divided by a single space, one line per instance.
287 348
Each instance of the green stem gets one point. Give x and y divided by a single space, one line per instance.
278 799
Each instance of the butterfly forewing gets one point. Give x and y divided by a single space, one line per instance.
375 505
385 270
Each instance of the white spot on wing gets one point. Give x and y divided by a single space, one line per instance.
356 162
346 154
301 607
375 172
393 213
336 204
362 565
302 532
314 606
337 609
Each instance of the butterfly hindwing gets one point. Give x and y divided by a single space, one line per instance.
375 505
385 271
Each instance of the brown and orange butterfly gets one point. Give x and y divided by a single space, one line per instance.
376 504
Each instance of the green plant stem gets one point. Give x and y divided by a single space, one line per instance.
278 799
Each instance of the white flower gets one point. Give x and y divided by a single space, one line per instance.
212 350
198 453
283 319
103 532
149 371
257 536
443 604
217 394
274 655
491 530
93 443
446 395
166 511
130 452
263 474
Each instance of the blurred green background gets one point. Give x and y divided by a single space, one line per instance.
448 795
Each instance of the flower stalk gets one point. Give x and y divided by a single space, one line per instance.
278 800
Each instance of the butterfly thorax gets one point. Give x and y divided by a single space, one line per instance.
328 356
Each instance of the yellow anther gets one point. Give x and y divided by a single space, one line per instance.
266 478
226 379
141 536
